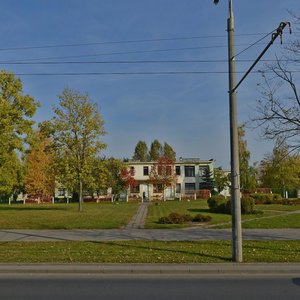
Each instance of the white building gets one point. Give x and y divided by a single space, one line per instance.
189 179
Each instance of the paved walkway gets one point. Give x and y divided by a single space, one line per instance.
186 234
139 219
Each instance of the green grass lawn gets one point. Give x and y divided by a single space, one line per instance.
260 220
146 252
66 216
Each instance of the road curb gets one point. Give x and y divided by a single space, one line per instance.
119 269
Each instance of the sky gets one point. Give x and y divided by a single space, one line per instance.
156 68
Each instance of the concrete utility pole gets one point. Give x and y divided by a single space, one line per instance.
237 249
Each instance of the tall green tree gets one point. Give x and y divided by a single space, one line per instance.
156 150
280 170
140 151
247 172
207 182
75 130
16 112
168 151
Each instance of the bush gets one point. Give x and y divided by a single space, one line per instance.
218 204
262 198
247 205
201 218
176 218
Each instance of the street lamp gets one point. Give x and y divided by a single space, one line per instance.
237 252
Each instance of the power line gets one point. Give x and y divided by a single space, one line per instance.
122 42
124 52
138 73
140 61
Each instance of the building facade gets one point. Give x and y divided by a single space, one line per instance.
191 179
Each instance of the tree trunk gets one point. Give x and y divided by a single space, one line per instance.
80 207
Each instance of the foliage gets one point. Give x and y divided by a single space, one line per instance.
221 180
262 198
169 152
39 176
75 130
176 218
156 151
280 170
207 182
247 172
247 205
11 175
163 173
141 151
218 204
16 112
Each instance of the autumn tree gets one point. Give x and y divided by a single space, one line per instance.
163 173
75 130
16 112
39 174
140 151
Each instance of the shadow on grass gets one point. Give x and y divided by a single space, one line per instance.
170 250
199 210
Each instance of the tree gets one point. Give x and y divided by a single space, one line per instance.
278 106
140 151
207 180
169 152
163 174
221 180
75 130
280 170
247 172
155 150
11 175
16 112
39 176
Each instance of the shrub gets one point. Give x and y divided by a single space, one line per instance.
262 198
218 204
201 218
176 218
247 205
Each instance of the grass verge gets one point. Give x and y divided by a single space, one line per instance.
67 216
271 216
146 252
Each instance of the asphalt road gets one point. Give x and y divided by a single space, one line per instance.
190 234
144 287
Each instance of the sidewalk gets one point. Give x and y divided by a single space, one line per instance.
139 219
155 269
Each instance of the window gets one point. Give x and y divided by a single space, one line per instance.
189 171
202 170
132 171
146 171
178 170
178 187
135 189
61 192
190 187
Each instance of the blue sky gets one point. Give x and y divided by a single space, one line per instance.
189 111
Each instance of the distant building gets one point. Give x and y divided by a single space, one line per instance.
189 171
